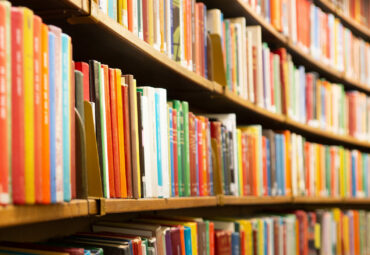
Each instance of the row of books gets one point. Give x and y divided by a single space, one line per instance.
180 28
320 34
357 10
314 232
176 28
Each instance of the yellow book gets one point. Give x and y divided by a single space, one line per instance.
119 11
239 135
256 130
29 148
261 235
345 234
246 226
124 14
336 217
122 164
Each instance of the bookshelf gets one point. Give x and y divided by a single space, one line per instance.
354 25
86 23
236 8
131 54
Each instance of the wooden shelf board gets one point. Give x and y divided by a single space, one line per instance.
351 23
254 200
24 214
136 205
316 200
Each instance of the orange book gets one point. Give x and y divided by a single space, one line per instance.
115 140
130 18
45 137
264 167
112 189
37 107
182 239
359 175
276 13
161 24
288 160
356 229
122 162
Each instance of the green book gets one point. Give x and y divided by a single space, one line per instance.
207 237
277 85
186 148
228 54
180 143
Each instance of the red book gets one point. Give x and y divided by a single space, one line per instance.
145 20
37 106
272 84
222 242
4 118
115 141
18 180
244 163
302 232
127 141
193 155
73 131
204 157
112 188
84 69
200 156
211 238
197 40
130 16
264 166
253 169
242 242
175 155
208 158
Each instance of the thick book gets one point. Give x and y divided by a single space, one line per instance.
58 112
135 163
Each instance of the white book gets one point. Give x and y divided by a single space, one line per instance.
164 140
103 135
147 185
135 27
214 25
257 45
58 112
151 172
156 25
229 120
250 77
103 5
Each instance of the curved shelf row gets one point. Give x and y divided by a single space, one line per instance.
352 24
236 8
14 215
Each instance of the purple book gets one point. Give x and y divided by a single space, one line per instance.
168 242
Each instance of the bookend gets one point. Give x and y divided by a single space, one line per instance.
216 66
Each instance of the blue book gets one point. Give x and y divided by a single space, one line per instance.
66 91
187 237
112 9
268 166
205 43
283 165
277 163
354 176
235 243
210 172
171 151
53 185
196 158
158 140
265 243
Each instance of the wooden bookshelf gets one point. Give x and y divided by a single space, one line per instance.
24 214
254 200
152 204
236 8
360 29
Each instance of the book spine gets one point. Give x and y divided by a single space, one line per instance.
127 140
5 107
186 150
209 158
200 157
175 149
45 119
197 166
204 157
29 131
171 148
66 44
158 144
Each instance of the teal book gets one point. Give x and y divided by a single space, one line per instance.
186 148
66 116
187 237
159 146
